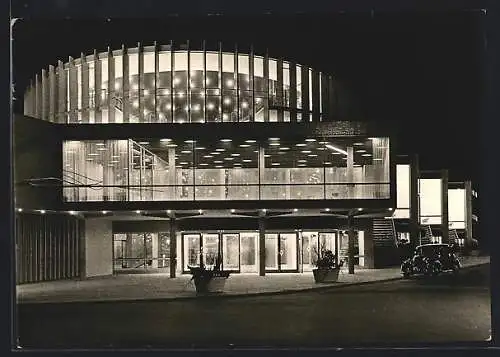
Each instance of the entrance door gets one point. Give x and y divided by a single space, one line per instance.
271 251
210 249
288 251
309 250
249 252
192 250
328 241
231 251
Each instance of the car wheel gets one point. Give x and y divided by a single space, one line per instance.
436 269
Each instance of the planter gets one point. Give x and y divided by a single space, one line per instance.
208 281
322 275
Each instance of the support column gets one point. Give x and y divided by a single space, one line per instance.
154 249
172 177
173 247
351 235
444 207
468 215
262 243
350 172
414 202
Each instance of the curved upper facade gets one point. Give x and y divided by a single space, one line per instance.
157 84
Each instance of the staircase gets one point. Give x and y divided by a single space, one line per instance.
453 237
384 234
427 238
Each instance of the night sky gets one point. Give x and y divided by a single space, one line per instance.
422 72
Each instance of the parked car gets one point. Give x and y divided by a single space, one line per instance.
431 259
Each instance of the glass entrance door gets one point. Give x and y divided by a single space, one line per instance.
271 251
231 251
309 250
210 249
288 251
249 257
192 250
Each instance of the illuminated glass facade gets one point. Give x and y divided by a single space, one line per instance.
157 84
226 169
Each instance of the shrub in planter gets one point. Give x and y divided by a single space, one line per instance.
327 270
209 280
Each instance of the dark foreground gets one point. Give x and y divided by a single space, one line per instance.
444 309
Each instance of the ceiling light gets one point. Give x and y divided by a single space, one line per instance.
104 212
306 151
208 156
328 163
274 138
229 158
172 145
135 103
295 209
227 101
219 166
366 155
244 105
312 155
300 144
210 106
327 210
244 146
220 149
250 141
200 211
203 164
378 159
186 151
360 209
323 142
229 83
42 211
301 165
310 140
275 164
232 210
100 144
183 163
218 162
72 212
267 155
137 211
169 211
235 154
165 140
144 142
358 144
336 149
247 160
189 141
361 150
199 148
264 210
19 210
301 160
226 140
284 148
101 149
274 144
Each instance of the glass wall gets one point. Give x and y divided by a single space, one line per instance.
141 251
188 86
226 169
430 194
403 184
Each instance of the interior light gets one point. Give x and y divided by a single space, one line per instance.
203 164
301 160
165 140
135 103
310 140
232 210
219 166
137 211
168 106
42 211
361 150
145 111
117 85
186 151
336 149
267 155
312 155
247 160
323 142
227 100
377 159
218 162
100 144
328 163
274 144
19 210
244 105
229 82
300 144
250 141
183 163
225 116
264 210
244 145
258 100
366 155
360 209
358 144
220 149
226 140
235 154
146 92
327 210
306 151
189 141
186 108
208 156
210 106
284 148
144 142
72 212
275 164
229 158
295 209
104 212
177 80
200 211
169 211
274 138
199 148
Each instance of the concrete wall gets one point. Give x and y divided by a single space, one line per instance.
98 247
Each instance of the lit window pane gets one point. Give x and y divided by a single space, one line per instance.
149 62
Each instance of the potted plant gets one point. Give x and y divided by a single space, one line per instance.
327 269
209 280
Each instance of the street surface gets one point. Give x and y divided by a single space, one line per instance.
445 309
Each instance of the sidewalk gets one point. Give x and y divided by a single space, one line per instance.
160 286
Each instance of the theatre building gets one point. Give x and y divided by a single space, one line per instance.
156 158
